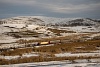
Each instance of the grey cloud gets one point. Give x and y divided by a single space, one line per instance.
50 7
70 8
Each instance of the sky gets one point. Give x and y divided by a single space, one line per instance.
50 8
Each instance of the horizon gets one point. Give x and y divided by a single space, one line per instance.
52 17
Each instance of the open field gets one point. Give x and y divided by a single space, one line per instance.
48 53
45 39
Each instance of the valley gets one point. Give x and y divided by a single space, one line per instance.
27 39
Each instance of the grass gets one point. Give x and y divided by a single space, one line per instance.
42 59
70 47
58 48
46 53
17 52
22 41
23 34
57 31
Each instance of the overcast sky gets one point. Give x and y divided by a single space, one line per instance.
52 8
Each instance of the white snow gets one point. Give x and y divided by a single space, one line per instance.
69 34
55 64
4 29
31 27
29 54
9 57
93 35
15 25
6 39
82 29
76 54
22 21
17 56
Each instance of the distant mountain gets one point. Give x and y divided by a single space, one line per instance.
41 20
54 22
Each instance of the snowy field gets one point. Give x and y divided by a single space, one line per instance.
25 27
78 63
77 54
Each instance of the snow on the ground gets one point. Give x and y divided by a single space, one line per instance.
9 57
8 41
29 38
93 35
5 37
15 21
29 55
55 64
41 31
15 25
31 27
17 56
76 54
4 29
69 34
83 29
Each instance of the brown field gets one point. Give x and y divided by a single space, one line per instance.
58 48
46 53
42 59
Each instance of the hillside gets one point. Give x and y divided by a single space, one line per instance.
73 24
26 39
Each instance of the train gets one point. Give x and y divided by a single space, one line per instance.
32 44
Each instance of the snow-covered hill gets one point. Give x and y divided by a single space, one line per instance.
51 20
26 32
74 24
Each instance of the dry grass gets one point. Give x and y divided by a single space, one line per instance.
17 52
42 59
69 47
57 31
73 37
47 52
58 48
